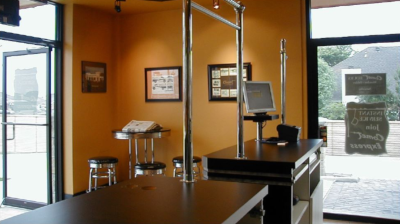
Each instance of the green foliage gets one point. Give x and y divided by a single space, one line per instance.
334 111
326 84
335 54
331 55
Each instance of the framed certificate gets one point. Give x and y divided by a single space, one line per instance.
222 81
163 84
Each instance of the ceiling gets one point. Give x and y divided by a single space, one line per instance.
145 6
135 6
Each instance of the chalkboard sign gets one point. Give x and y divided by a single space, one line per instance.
366 128
365 84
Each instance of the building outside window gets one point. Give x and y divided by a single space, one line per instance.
355 67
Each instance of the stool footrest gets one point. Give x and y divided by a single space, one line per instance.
101 176
107 165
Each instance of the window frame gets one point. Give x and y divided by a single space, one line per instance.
57 46
312 84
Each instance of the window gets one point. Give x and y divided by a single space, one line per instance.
33 96
355 20
37 21
346 45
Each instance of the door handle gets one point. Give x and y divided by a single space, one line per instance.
29 124
13 124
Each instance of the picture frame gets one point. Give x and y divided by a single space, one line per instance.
163 84
222 81
94 77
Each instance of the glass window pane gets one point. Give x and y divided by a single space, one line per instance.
359 109
37 22
355 20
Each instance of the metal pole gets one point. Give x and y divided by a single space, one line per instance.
213 15
236 5
283 80
239 81
187 92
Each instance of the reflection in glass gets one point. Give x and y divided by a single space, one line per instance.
361 128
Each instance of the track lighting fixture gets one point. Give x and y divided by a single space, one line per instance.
118 5
216 4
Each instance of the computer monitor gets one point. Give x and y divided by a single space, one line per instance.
258 97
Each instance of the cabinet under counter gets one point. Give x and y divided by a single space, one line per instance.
290 170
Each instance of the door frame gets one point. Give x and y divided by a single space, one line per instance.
312 88
57 46
19 202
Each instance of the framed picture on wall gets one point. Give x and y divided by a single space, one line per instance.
163 84
94 77
222 81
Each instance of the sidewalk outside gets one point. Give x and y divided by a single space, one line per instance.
361 185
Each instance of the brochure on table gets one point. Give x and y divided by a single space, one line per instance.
141 126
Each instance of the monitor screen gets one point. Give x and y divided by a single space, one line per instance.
258 97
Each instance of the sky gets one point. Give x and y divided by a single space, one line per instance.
358 20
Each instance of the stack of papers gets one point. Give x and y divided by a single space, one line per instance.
140 126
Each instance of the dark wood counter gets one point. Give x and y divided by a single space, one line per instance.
262 157
152 200
288 170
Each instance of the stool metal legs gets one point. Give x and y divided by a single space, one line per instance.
110 174
179 173
144 167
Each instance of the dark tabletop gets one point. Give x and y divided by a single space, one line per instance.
152 200
158 133
262 154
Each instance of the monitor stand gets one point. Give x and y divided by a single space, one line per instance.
260 118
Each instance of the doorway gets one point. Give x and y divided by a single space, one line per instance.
31 133
359 99
353 104
26 123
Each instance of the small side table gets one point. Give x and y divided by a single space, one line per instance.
119 134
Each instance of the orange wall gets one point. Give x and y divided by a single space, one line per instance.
131 43
155 40
89 117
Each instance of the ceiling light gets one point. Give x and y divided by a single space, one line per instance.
216 4
118 5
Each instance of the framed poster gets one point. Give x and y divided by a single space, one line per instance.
94 77
222 81
163 84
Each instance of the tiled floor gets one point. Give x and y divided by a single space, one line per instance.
366 197
328 221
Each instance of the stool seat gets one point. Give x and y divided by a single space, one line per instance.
103 159
178 166
179 159
150 169
151 166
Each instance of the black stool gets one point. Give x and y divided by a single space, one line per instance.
150 169
178 164
102 162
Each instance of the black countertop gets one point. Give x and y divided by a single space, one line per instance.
153 200
263 157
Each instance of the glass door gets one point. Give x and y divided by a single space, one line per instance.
26 123
359 114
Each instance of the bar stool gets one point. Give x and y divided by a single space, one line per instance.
102 162
178 166
148 168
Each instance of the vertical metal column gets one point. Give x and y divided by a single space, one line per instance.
187 92
239 82
283 80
